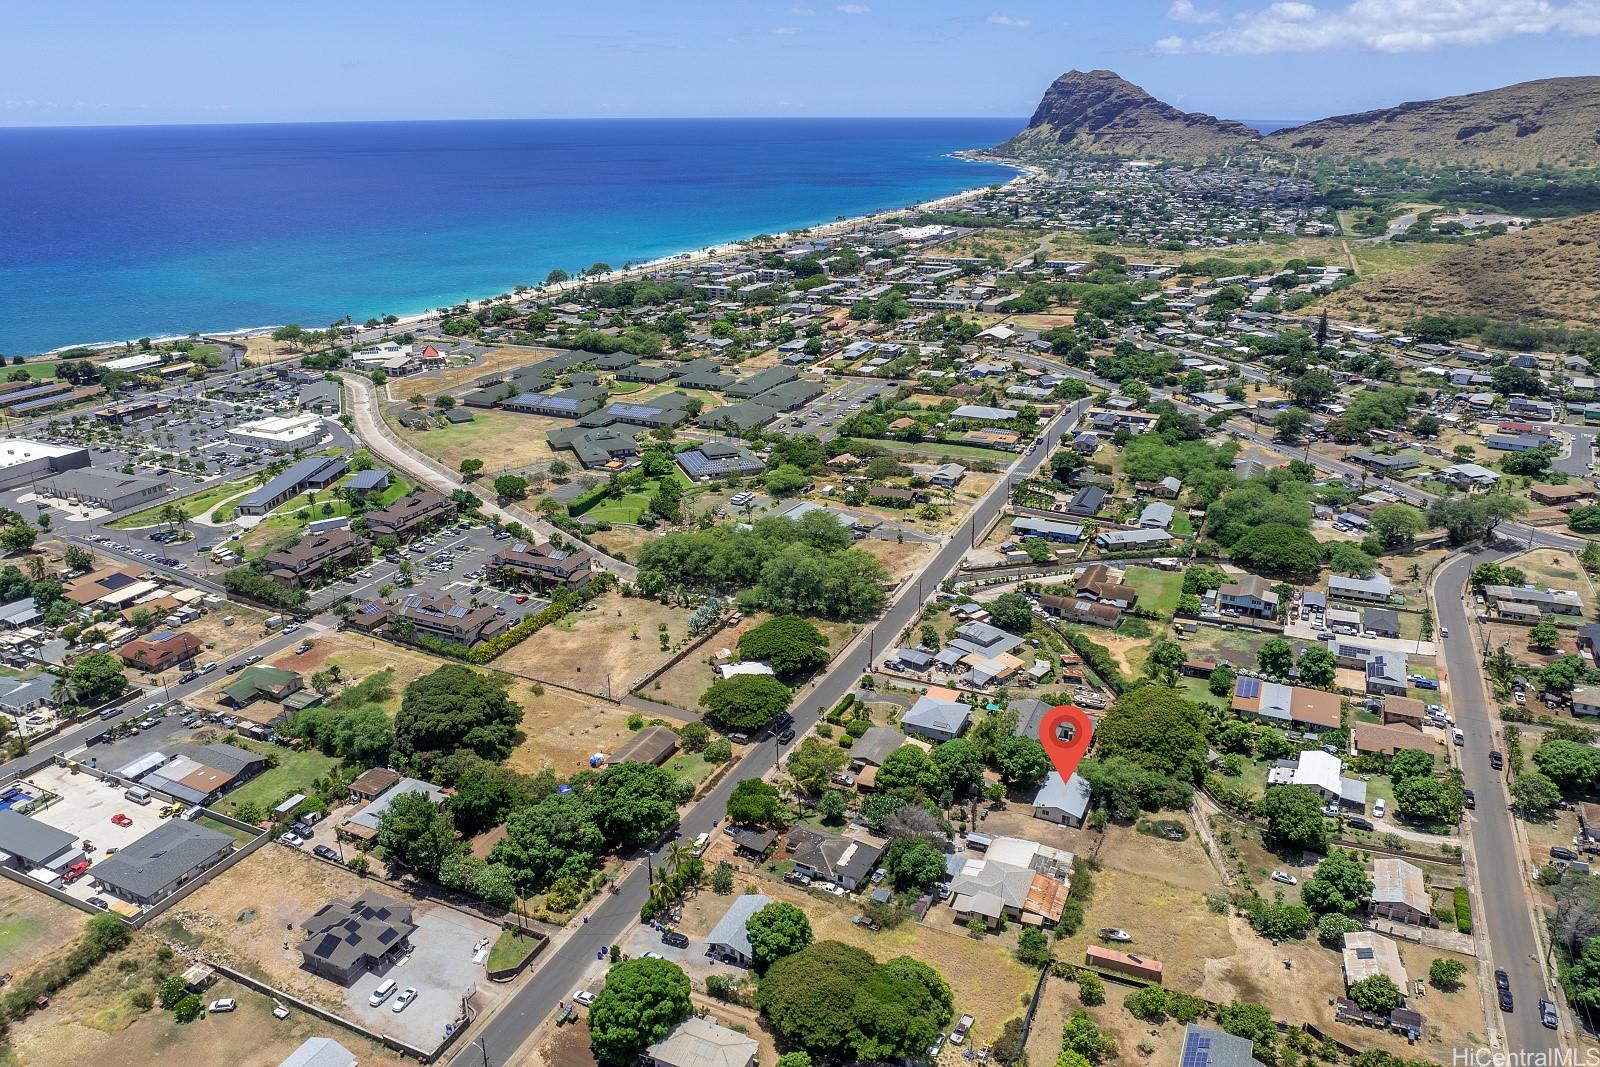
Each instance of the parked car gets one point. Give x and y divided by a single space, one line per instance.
292 839
1471 798
1505 1000
404 1000
1114 933
325 852
864 921
584 997
786 737
675 939
98 902
1559 853
1378 808
1285 877
217 1007
121 820
652 955
1547 1015
1496 759
935 1048
1358 823
959 1034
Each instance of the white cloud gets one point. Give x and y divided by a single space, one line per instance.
999 18
785 31
1185 11
1389 25
854 9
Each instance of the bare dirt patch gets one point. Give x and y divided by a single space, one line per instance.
494 361
1181 863
1556 569
562 729
595 649
32 926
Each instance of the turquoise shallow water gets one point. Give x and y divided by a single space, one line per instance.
123 232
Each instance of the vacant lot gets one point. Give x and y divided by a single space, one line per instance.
504 440
32 926
687 680
1182 863
563 730
494 361
360 657
1158 590
901 559
294 773
1554 569
1060 999
606 648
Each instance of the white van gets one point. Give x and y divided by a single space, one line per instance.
138 794
381 994
700 844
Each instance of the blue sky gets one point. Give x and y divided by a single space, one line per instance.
75 62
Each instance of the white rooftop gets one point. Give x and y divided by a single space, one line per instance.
17 450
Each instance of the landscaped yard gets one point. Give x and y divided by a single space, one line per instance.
295 772
192 505
1158 590
294 515
629 506
510 949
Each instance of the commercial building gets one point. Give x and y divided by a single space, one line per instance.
106 489
29 845
159 863
29 461
280 433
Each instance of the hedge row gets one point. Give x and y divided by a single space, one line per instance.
1463 911
1098 659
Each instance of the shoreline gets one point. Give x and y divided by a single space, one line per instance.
1025 172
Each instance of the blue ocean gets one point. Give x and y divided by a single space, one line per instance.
113 233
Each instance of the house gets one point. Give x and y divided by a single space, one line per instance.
1205 1047
1367 954
371 480
729 941
419 510
1373 739
18 696
1286 706
159 863
1075 610
1064 802
1399 893
997 887
1087 502
874 746
314 556
441 617
1381 622
1469 476
828 857
1386 674
980 413
1028 526
19 613
653 745
1560 495
1403 711
1130 540
935 718
1251 595
700 1042
546 565
1323 774
947 475
1529 603
370 784
1157 515
345 940
258 682
198 774
1586 700
1103 585
319 1052
30 845
160 650
719 459
363 825
1375 589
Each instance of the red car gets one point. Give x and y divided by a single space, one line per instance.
522 600
121 819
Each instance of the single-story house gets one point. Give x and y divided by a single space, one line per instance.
1399 893
729 940
1064 802
701 1042
157 864
345 940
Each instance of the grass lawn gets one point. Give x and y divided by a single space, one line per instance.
510 949
293 516
241 836
1158 590
193 505
294 774
628 507
40 371
934 448
691 766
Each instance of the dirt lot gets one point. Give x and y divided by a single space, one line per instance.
32 926
687 680
983 974
357 657
1515 639
504 440
496 360
594 650
94 1021
563 729
1182 863
1060 1000
901 560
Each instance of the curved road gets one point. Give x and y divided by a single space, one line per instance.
558 976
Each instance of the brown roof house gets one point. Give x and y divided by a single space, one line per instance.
410 514
314 556
160 650
369 785
1369 738
545 564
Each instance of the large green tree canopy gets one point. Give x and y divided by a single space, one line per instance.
454 708
792 646
1155 728
642 1000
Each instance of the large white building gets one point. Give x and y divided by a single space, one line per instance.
285 433
26 461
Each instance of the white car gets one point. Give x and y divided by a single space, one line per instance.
292 839
1285 877
217 1007
404 999
584 997
1378 808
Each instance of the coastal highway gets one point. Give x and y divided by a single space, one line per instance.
1503 906
558 977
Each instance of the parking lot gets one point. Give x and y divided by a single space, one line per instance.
821 416
85 810
440 967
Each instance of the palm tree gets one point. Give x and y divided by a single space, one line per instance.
36 569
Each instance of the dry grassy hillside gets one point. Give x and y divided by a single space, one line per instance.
1545 276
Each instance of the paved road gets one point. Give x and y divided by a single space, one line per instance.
559 975
1502 905
1580 459
377 436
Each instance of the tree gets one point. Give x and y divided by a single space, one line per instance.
1156 728
1535 794
755 803
1473 517
959 765
1376 993
1573 767
1013 612
484 796
1274 548
908 771
413 831
814 763
1396 526
471 468
78 558
786 480
1164 660
510 487
914 864
1294 818
1430 799
632 803
1345 558
456 708
792 646
1292 424
1544 636
1083 1038
833 805
900 1009
1339 884
1445 973
1250 1021
809 997
1276 658
1220 682
1022 762
777 930
1332 927
1317 667
1091 990
94 680
642 1000
746 701
1531 463
544 840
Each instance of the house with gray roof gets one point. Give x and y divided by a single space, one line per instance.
28 844
19 696
829 857
936 719
345 940
1205 1047
320 1052
874 746
701 1042
159 863
364 823
729 940
1065 802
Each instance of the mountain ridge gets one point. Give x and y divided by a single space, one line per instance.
1552 121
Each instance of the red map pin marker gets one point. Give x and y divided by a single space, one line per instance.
1065 733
